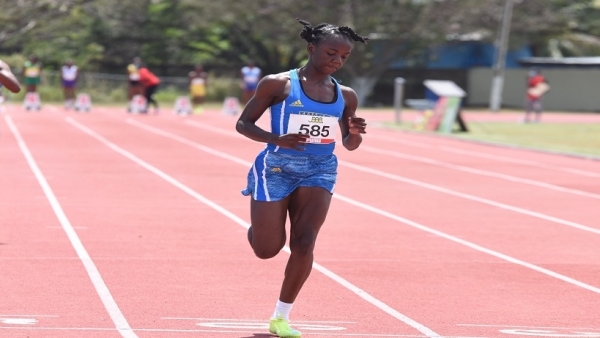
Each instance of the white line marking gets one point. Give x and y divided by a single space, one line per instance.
220 331
443 235
265 326
109 303
481 172
547 333
211 128
253 320
471 245
532 327
470 197
76 228
490 157
388 175
52 316
361 293
19 321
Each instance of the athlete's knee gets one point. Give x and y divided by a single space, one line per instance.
304 244
263 251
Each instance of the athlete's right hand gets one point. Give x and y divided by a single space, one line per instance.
293 141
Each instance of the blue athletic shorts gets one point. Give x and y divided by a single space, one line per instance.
273 175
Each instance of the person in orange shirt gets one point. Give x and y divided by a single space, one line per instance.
150 82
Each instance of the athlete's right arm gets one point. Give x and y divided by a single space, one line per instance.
8 79
271 89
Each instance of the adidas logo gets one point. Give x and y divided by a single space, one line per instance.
296 104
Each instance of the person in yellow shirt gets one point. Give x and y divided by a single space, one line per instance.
198 81
32 73
133 77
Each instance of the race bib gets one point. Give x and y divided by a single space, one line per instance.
319 129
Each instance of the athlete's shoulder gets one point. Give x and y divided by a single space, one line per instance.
349 95
279 78
274 86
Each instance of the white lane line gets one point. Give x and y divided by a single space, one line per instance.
393 177
480 172
57 227
430 230
470 197
428 161
209 128
471 245
489 156
531 327
253 320
105 296
50 316
361 293
250 332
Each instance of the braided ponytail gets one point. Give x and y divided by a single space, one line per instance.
320 32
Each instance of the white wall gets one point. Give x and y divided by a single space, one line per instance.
571 89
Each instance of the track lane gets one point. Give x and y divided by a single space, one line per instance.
528 290
404 196
146 277
43 282
580 166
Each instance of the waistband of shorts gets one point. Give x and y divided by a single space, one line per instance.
299 155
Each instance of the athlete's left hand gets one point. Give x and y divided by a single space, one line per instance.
357 125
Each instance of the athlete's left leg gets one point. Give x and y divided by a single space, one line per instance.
307 210
308 207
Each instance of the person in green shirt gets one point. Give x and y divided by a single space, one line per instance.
32 74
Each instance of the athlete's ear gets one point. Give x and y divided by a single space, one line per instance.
310 48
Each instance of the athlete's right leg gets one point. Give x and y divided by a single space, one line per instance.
267 233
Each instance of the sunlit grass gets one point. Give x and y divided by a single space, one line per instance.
580 138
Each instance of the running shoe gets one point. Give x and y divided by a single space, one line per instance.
282 329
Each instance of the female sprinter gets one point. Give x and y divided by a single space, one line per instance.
296 173
8 79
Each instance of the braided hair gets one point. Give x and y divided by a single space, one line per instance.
322 31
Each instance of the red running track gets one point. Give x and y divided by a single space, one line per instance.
127 225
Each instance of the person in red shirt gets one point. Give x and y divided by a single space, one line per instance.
150 83
537 86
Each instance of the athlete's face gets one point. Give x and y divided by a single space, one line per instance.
330 54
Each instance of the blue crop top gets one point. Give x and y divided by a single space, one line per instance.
318 116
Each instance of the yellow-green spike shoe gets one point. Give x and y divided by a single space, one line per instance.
281 328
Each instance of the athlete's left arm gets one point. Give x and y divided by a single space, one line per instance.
8 79
351 125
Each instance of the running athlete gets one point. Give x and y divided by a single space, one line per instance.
8 79
32 73
198 81
296 173
69 76
250 76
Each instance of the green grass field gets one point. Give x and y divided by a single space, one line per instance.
581 139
